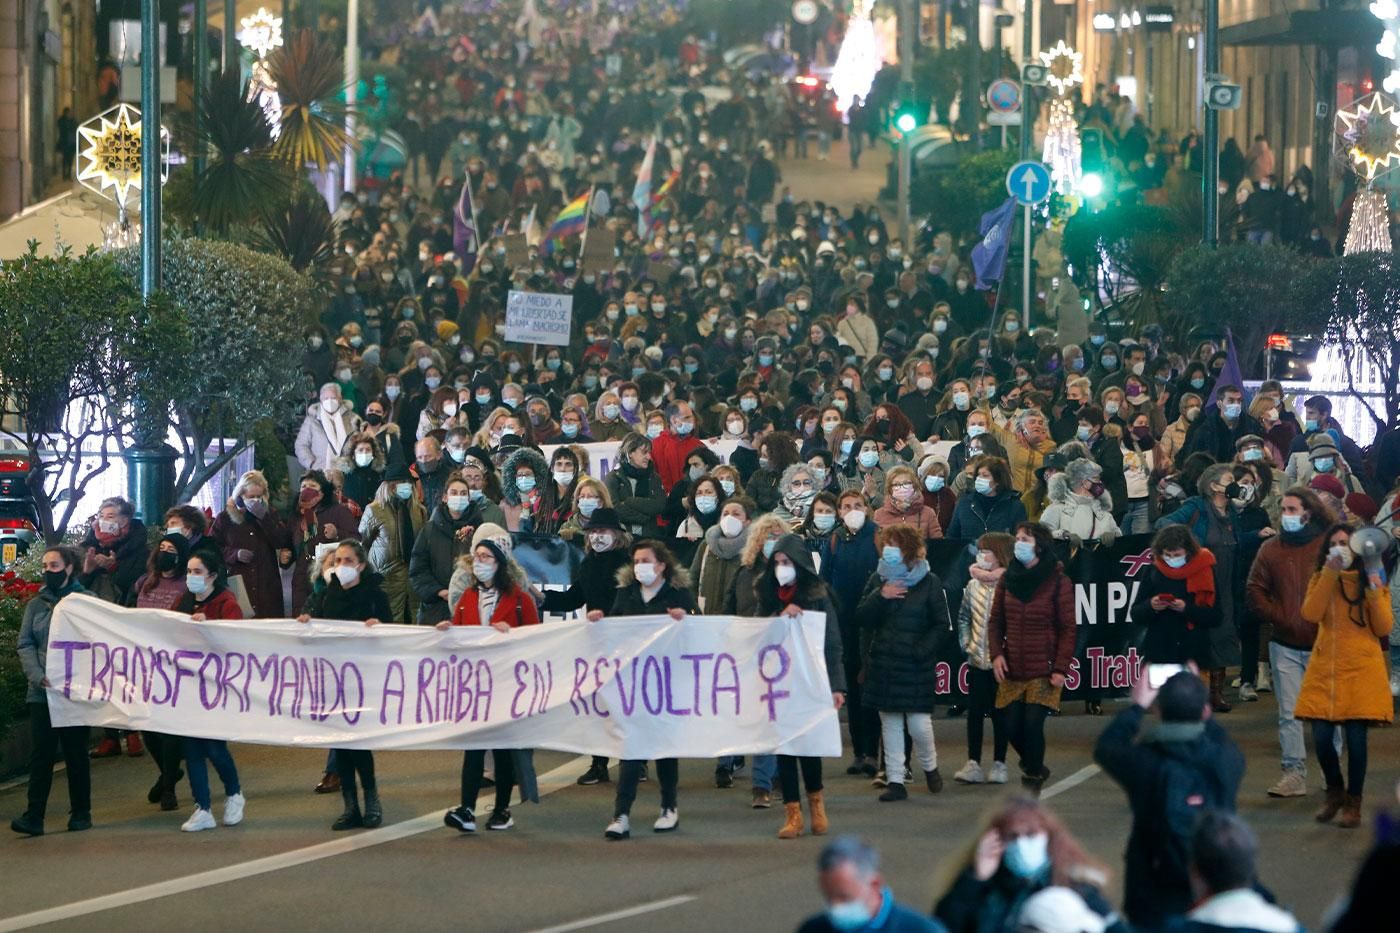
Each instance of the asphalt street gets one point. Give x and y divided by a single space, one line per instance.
723 869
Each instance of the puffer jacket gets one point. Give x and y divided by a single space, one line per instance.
1035 636
33 643
1278 582
1069 514
1348 676
903 648
973 616
380 527
435 553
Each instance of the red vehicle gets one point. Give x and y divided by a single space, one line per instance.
19 523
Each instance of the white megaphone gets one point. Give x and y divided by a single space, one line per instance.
1370 544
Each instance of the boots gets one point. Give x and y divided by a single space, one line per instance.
1218 703
1351 812
351 818
817 805
1331 805
374 813
793 827
1032 783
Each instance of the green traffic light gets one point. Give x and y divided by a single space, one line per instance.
1091 184
906 122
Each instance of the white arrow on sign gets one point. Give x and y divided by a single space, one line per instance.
1027 182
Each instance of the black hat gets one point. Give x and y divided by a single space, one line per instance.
1053 461
602 519
397 473
482 456
510 442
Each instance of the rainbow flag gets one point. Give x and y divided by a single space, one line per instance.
570 221
666 186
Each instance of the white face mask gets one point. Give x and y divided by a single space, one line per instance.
854 519
645 573
347 574
330 405
730 526
785 574
364 458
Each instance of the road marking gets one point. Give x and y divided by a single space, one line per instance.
559 778
625 914
1074 780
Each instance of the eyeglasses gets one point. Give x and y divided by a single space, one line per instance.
802 484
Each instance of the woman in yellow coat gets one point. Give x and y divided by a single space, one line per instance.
1346 683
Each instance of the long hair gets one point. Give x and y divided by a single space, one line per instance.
1069 863
1356 606
759 530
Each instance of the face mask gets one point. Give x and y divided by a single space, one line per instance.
785 574
484 570
990 392
653 431
854 520
459 503
891 554
1176 563
403 490
512 403
563 477
868 458
569 429
432 382
1232 410
629 403
645 573
885 373
1137 368
934 483
1013 326
524 483
1027 856
769 546
923 383
982 485
1084 432
1192 414
1111 408
363 459
347 574
1292 523
1077 364
1310 425
330 405
166 561
684 428
196 583
1252 454
1025 551
976 430
391 392
706 505
1198 382
601 542
986 560
1324 464
765 359
1342 553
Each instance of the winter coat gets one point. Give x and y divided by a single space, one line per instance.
237 530
974 614
847 565
380 527
435 553
33 642
741 600
858 332
520 510
977 514
1174 637
1155 887
515 609
131 552
360 484
714 573
313 446
903 651
362 602
1210 433
674 594
1242 910
991 906
595 587
1035 636
638 512
346 526
1348 676
920 517
668 453
1278 583
1070 514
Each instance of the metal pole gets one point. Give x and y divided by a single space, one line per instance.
1026 273
201 74
972 91
1027 101
230 35
352 79
150 147
908 26
1210 159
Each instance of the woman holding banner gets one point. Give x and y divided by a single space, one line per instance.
352 595
499 599
1032 631
791 588
652 584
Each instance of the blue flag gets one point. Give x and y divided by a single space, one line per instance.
989 256
1230 374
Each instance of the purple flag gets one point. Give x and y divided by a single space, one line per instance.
464 240
989 256
1230 374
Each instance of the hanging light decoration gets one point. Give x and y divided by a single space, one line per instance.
261 32
1369 230
858 61
1065 67
1061 151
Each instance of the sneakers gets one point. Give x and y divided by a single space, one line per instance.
596 774
998 774
1265 683
1290 784
970 773
79 822
666 822
880 779
134 748
460 819
619 828
233 810
894 792
1248 694
200 819
762 799
1395 684
500 819
724 778
934 780
107 748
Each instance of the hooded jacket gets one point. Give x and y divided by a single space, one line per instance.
811 594
1070 514
519 514
1348 676
435 553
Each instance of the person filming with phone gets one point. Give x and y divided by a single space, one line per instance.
1176 602
1182 766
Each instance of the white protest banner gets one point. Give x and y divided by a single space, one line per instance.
602 455
538 317
637 687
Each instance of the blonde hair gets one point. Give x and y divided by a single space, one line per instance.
759 530
589 484
251 478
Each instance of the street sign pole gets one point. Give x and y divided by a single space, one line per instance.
1029 183
1026 269
908 26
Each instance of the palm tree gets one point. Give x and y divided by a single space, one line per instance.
304 234
309 76
241 175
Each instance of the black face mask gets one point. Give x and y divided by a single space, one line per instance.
166 562
429 466
374 418
55 580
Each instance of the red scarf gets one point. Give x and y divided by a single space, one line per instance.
786 593
1199 574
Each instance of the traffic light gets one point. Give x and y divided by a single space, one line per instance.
1091 184
1092 152
905 121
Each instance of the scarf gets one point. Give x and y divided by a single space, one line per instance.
987 577
641 477
1175 732
787 593
1199 574
726 548
1022 581
105 541
907 577
1309 532
335 434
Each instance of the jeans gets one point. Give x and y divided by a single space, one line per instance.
474 768
920 730
668 775
215 750
1025 728
1325 736
982 702
762 770
788 766
1135 518
73 740
1288 665
1259 237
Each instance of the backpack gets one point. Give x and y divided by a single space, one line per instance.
1179 797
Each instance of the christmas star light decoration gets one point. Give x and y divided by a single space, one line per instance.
109 153
261 32
1065 67
1369 136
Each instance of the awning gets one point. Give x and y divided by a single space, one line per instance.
1307 27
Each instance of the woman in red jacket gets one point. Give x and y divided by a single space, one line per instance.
495 598
1032 644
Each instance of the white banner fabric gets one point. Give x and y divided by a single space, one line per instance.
640 687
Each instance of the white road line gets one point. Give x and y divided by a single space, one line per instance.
625 914
1074 780
557 779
